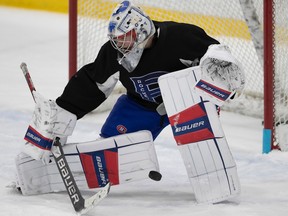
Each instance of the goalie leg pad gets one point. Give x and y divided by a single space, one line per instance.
120 159
198 133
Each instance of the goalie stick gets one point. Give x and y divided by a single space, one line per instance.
80 204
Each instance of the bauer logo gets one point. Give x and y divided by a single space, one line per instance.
102 177
35 138
100 167
191 125
215 91
68 181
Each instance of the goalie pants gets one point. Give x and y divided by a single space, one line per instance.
127 116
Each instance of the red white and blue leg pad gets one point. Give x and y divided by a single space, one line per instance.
120 159
199 136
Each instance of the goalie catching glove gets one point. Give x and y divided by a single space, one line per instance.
48 121
222 75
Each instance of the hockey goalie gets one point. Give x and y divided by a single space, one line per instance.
175 75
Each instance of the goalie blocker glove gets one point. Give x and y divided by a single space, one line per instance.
49 120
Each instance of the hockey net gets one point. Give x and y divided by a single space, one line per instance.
236 23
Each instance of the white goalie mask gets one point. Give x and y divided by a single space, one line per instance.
128 31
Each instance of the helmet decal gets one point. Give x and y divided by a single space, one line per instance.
132 20
111 26
123 6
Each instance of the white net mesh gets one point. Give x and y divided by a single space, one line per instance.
281 73
222 19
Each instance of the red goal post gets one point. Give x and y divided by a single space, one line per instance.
268 69
255 30
72 37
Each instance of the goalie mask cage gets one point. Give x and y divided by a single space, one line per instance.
255 30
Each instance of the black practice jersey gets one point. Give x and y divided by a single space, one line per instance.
177 46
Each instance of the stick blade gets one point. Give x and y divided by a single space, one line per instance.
95 199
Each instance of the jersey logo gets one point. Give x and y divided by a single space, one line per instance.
121 129
147 86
